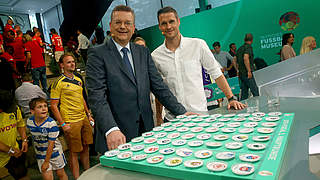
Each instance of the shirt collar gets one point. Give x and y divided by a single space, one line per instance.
26 83
119 47
180 45
68 77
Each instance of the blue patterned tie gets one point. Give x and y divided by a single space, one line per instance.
126 60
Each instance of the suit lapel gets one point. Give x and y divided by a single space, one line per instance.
119 61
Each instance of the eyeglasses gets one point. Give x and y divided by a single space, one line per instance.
126 23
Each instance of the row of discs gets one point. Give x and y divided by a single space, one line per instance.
215 127
194 163
256 114
210 120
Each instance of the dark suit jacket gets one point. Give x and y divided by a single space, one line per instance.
118 99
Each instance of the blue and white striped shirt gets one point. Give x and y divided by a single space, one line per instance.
41 134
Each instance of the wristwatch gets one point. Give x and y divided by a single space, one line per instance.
232 98
11 151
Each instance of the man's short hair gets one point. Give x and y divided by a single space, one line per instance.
167 9
26 77
230 45
139 39
248 37
34 101
65 55
122 8
215 44
27 37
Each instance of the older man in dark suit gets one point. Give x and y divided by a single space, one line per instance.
120 76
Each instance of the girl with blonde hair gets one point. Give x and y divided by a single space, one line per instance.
308 44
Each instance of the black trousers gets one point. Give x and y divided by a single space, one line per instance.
84 54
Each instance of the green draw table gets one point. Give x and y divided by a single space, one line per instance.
234 146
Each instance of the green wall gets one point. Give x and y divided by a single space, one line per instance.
229 23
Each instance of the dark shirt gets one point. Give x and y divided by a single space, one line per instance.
232 53
232 72
244 49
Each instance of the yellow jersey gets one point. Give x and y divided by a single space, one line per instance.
69 92
9 122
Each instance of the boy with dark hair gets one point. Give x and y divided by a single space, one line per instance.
11 123
47 147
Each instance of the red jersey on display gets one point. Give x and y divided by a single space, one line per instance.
57 42
18 47
36 54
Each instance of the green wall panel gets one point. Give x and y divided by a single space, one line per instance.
229 23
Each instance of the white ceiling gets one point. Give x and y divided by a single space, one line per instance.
27 6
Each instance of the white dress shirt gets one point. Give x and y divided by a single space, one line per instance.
83 42
181 71
119 47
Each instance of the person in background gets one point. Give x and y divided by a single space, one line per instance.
9 26
232 49
17 27
26 92
83 46
30 33
233 71
12 156
99 34
140 41
245 63
223 58
7 55
56 44
34 30
38 66
9 37
287 51
48 149
308 44
19 52
72 45
37 38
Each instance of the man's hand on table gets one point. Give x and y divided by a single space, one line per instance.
236 105
114 139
